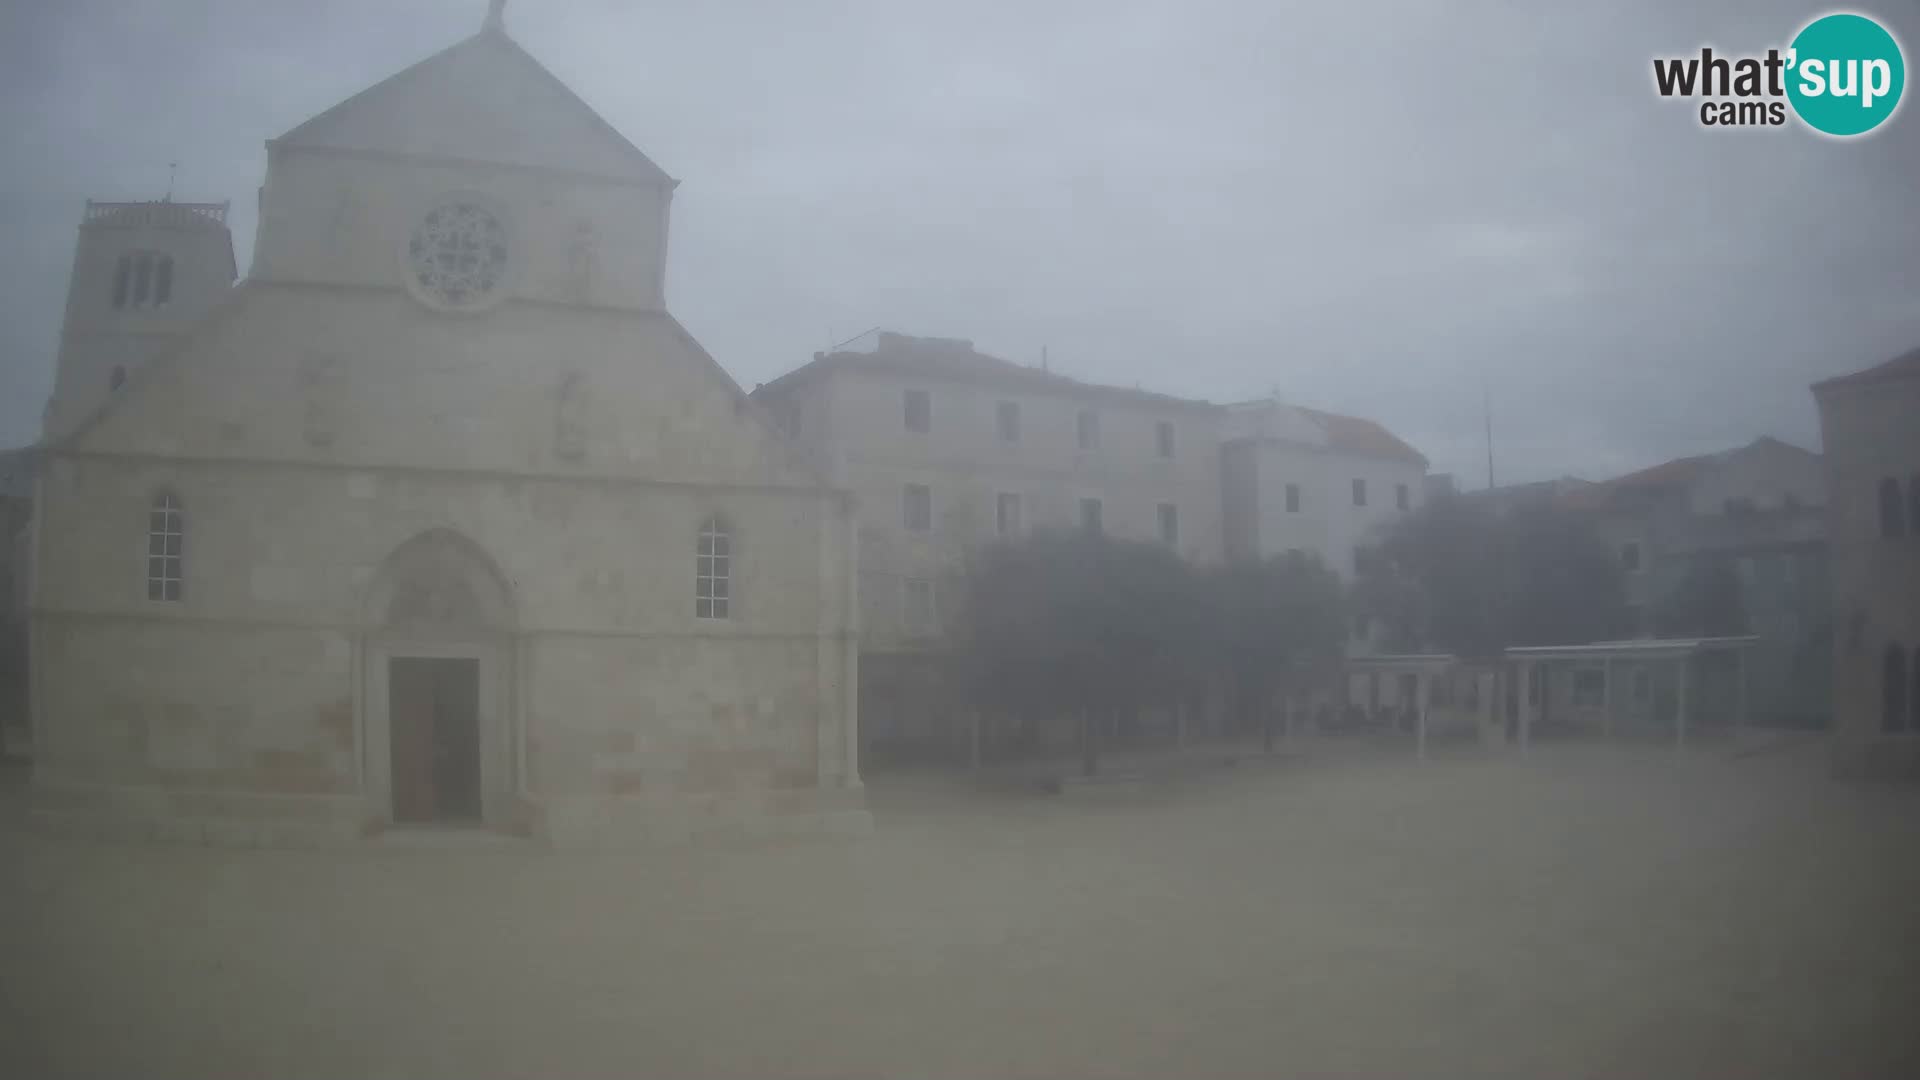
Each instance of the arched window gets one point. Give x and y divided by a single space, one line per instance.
1890 523
1893 689
122 277
166 536
712 583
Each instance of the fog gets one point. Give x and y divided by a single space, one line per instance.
892 539
1606 914
1382 210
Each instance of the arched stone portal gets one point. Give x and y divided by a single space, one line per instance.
442 737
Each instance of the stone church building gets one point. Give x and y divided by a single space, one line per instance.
437 517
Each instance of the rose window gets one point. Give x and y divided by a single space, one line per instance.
458 255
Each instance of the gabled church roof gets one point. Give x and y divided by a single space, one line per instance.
483 99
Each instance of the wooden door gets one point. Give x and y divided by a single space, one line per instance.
434 716
456 740
410 718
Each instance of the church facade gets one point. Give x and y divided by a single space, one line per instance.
438 517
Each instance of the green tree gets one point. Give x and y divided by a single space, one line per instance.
1275 624
1078 624
1457 577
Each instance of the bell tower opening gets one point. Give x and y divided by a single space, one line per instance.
144 273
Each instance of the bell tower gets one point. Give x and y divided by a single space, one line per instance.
143 274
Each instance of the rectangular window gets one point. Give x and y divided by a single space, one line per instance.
919 508
919 410
1007 419
1169 524
1359 492
1642 686
122 277
1087 429
1401 498
1293 498
920 605
1163 438
1006 514
163 281
1090 515
1630 556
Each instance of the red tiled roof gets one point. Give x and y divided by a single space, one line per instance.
1360 436
1904 366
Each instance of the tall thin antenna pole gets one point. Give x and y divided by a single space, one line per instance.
1487 396
172 168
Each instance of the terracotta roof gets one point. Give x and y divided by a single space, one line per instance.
1667 475
1355 435
1904 366
955 360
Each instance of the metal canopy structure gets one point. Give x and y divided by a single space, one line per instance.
1424 667
1677 651
1522 660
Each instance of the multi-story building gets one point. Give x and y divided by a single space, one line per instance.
946 448
1752 513
1871 440
1317 483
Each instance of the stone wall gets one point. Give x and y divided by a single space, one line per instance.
252 683
1869 435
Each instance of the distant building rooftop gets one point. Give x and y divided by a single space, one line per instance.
1666 476
955 360
1336 431
1904 366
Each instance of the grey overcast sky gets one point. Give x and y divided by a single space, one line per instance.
1374 208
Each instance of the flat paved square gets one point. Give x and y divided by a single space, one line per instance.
1582 912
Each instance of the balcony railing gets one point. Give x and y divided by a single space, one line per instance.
163 212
